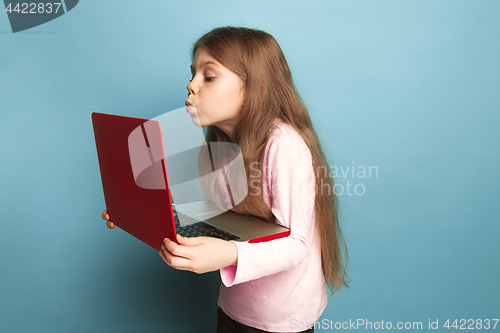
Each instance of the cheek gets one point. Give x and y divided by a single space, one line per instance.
227 97
235 95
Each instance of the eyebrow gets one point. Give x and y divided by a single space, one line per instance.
208 62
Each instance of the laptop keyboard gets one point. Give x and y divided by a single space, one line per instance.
199 228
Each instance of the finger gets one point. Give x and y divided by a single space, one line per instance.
110 224
190 241
105 215
174 261
162 255
175 249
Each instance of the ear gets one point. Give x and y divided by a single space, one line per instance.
243 91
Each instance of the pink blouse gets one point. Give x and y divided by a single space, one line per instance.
278 285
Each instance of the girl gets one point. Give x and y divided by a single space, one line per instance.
242 90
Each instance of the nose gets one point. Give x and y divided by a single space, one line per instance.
192 88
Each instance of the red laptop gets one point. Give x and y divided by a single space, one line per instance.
147 212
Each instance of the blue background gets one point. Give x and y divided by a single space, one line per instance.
411 87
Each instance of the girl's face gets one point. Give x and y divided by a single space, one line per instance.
216 94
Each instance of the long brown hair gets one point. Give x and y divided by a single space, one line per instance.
270 94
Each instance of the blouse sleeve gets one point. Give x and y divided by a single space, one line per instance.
291 183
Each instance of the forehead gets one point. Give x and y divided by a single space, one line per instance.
202 58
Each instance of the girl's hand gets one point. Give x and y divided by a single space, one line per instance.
199 254
105 216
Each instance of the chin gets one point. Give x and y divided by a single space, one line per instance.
196 120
